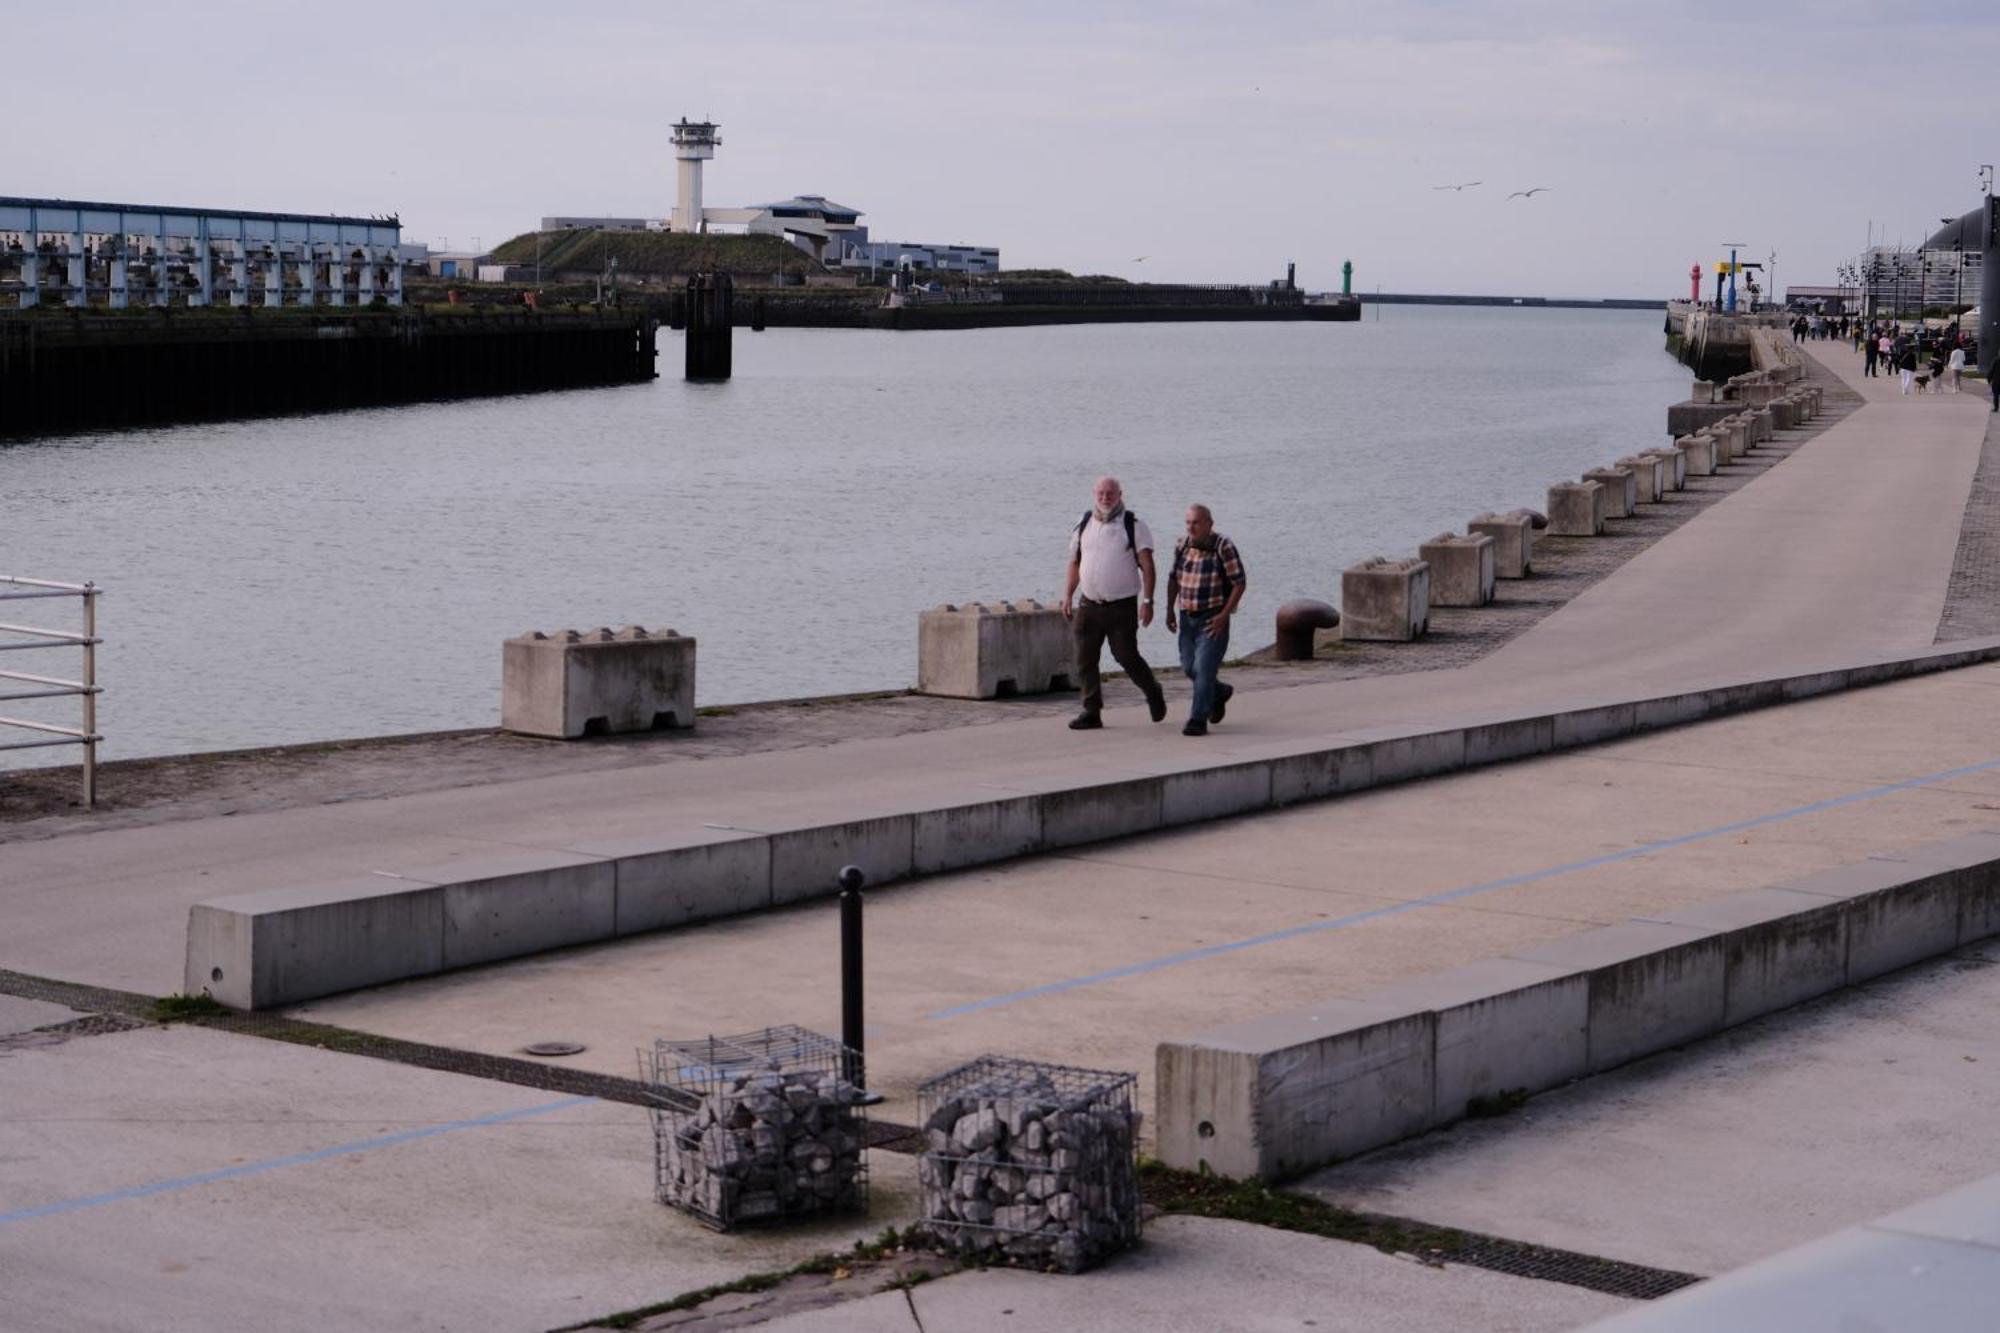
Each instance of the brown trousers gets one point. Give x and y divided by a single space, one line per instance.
1094 624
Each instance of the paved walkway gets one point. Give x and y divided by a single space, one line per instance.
535 1209
1093 957
1787 585
39 803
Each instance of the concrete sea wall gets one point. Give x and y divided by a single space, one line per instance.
281 946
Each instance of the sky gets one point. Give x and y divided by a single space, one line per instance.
1162 141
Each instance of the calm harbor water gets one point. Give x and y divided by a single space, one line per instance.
354 574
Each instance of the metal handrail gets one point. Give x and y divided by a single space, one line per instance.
57 687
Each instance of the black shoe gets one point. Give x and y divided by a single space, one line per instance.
1221 708
1195 728
1156 702
1086 722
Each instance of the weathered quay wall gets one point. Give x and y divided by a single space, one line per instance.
63 371
1715 345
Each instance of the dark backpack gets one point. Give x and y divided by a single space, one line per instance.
1131 527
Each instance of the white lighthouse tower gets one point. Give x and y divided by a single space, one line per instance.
694 144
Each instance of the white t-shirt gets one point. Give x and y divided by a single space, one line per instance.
1957 359
1110 572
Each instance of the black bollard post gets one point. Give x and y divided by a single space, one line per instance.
851 879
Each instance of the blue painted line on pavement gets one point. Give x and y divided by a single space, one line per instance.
275 1163
1453 895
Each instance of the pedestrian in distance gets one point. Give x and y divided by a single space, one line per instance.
1204 588
1993 382
1108 598
1869 353
1957 368
1907 364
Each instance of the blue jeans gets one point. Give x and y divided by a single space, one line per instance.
1201 659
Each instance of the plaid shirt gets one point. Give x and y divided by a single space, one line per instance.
1205 578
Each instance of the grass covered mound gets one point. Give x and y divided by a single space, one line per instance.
657 253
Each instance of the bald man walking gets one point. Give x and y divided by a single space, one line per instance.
1204 587
1107 597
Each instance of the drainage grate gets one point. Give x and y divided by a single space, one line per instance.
1610 1276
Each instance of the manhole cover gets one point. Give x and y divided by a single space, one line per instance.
553 1048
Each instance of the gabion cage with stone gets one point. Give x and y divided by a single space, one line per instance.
761 1127
1030 1164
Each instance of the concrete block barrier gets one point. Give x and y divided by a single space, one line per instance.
1673 467
1513 537
1738 432
1462 568
993 650
1576 509
1703 391
1503 1024
284 945
1782 416
1621 490
1699 453
260 950
1725 450
1277 1096
575 683
1762 424
1651 986
1385 600
1646 476
667 881
523 904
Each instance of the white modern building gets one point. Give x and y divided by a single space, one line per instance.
871 254
830 232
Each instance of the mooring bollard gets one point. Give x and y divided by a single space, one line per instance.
710 298
851 879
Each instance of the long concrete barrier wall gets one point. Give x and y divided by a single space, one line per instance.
281 946
1273 1097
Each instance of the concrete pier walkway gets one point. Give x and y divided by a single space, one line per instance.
1841 551
1090 956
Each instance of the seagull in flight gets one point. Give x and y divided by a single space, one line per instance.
1527 194
1468 185
1140 260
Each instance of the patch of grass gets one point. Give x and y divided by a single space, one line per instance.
1189 1194
715 710
185 1008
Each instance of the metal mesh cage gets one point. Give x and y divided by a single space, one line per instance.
1028 1163
760 1127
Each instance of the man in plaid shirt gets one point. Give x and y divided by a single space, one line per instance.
1203 589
